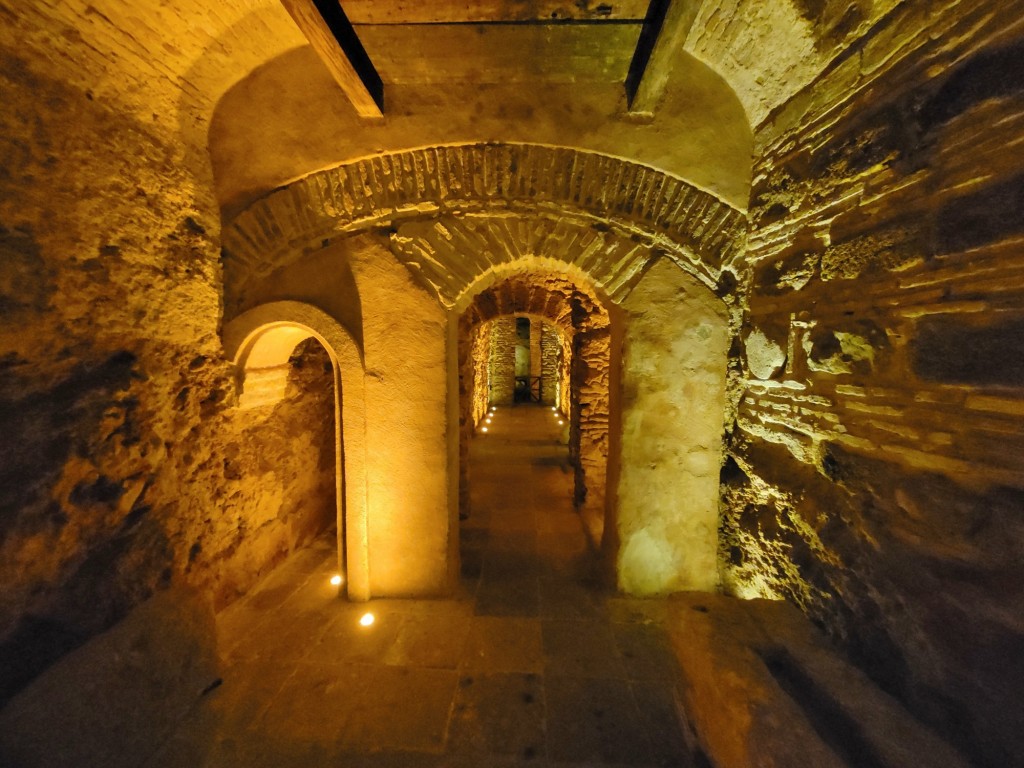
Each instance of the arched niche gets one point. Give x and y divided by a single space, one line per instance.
260 342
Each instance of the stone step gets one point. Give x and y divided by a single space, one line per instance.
761 687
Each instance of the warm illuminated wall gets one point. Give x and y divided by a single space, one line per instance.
546 345
674 350
699 132
877 476
403 333
554 375
501 366
124 465
478 385
874 470
279 478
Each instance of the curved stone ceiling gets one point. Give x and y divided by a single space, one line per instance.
287 119
172 63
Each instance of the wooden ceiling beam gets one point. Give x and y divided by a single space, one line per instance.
666 28
329 31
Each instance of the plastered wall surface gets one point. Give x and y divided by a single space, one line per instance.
406 403
673 395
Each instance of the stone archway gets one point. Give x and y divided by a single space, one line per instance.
260 341
460 218
574 307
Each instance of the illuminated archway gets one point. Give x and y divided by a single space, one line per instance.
572 305
260 342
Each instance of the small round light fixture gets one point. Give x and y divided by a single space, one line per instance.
336 580
483 429
367 619
554 407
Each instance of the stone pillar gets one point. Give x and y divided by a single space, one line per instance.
673 384
536 334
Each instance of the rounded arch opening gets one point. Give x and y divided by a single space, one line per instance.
261 341
579 350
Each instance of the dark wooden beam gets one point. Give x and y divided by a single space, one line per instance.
664 34
329 31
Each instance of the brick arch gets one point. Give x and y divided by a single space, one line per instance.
543 294
619 201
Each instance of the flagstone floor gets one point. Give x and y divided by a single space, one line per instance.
531 663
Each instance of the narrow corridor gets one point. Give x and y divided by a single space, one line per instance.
530 664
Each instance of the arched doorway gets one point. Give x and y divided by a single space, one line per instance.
579 353
262 341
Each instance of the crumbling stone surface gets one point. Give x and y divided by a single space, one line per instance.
554 374
872 473
123 469
501 360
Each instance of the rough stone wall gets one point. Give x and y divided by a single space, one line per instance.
124 467
480 348
565 377
589 392
474 388
536 334
269 476
876 472
550 364
502 367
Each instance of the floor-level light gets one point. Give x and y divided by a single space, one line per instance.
336 580
366 620
483 429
